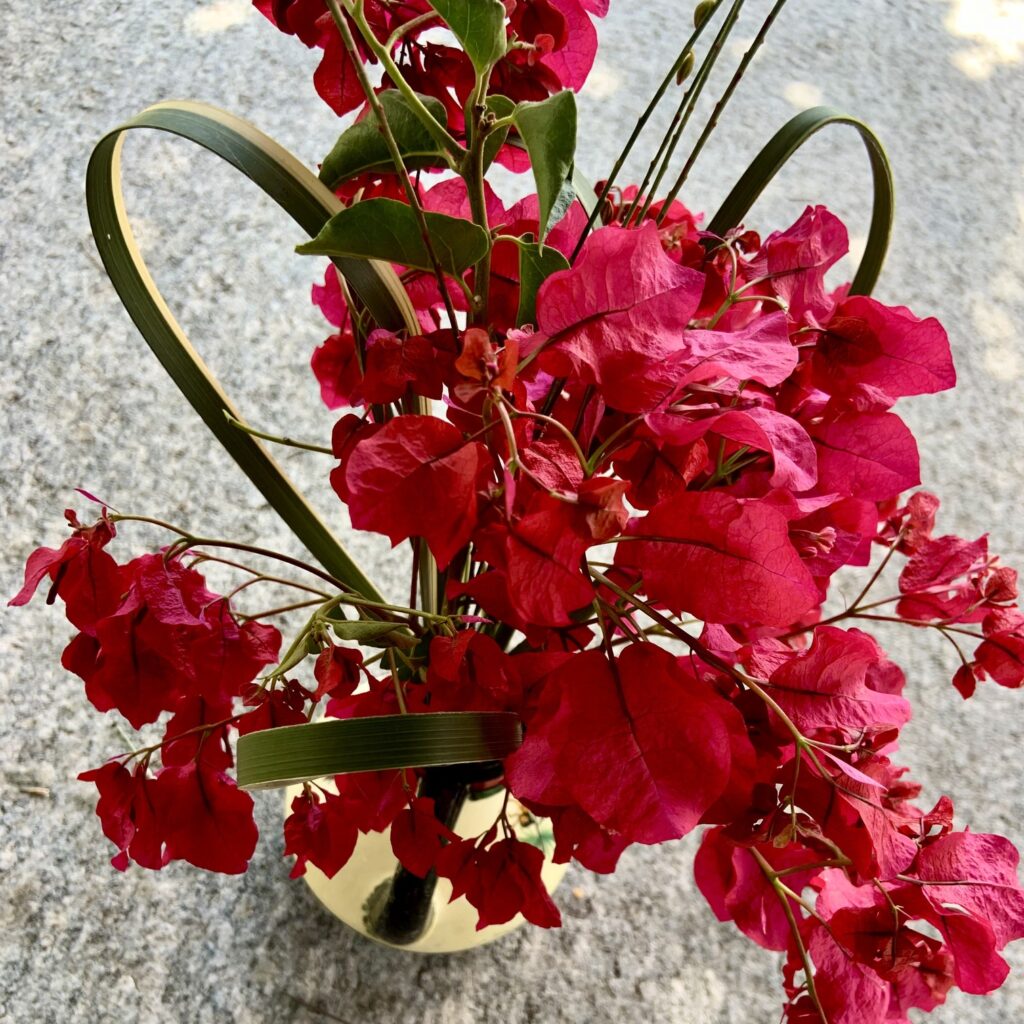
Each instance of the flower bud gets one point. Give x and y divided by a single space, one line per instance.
685 68
702 12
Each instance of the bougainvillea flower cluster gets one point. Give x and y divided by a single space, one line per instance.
635 480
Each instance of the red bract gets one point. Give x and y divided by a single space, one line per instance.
417 837
796 260
830 688
500 880
557 47
760 351
83 574
188 812
335 77
337 671
320 833
971 885
735 884
130 672
562 45
128 814
1001 653
198 730
169 639
417 477
886 347
471 672
866 455
765 430
510 883
618 318
373 799
274 708
538 569
637 744
742 545
204 818
913 523
866 815
656 470
941 580
870 968
336 366
395 366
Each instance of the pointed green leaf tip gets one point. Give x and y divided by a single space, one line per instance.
548 130
386 229
361 148
479 25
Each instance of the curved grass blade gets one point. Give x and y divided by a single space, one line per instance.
773 158
296 753
310 204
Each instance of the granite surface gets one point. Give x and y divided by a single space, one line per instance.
84 404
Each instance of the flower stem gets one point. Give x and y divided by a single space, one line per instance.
385 129
720 106
276 439
684 112
383 54
783 895
281 610
638 130
473 173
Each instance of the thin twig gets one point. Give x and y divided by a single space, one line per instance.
385 129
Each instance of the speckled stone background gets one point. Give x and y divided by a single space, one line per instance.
84 404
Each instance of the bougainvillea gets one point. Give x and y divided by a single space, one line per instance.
631 463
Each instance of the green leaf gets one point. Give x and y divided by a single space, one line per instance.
362 149
296 753
501 107
773 158
548 130
479 26
536 265
386 229
364 631
297 190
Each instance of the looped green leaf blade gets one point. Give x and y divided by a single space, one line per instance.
361 148
479 26
296 753
773 158
310 204
386 229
